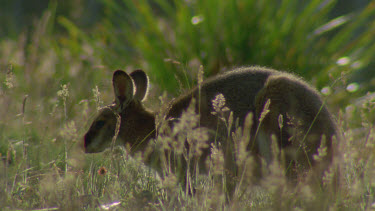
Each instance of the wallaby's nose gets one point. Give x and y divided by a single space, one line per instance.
81 145
86 142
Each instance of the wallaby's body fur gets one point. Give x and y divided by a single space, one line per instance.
305 117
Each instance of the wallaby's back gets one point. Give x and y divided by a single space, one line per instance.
247 89
239 87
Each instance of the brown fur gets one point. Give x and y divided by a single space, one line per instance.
245 90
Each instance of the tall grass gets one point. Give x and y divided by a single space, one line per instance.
176 37
41 128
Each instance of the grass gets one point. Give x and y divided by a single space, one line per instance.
52 84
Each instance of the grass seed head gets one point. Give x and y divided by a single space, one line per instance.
219 104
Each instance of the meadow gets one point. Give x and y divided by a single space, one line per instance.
55 75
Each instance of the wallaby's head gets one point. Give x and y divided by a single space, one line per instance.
136 124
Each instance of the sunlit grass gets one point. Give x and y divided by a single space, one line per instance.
51 85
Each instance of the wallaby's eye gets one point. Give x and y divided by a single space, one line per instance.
99 124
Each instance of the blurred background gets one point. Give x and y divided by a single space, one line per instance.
171 39
57 59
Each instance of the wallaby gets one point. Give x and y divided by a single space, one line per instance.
305 119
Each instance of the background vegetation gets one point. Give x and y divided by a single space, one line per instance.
56 62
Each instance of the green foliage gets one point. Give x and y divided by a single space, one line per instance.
175 37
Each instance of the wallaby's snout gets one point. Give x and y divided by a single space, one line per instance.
89 146
101 132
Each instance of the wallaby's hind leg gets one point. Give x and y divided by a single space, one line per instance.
298 118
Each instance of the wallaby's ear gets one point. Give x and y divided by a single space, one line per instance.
141 84
123 87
